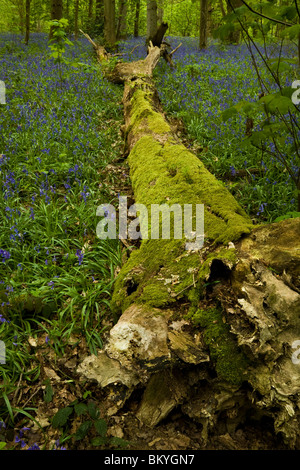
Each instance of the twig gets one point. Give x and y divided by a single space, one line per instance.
176 48
27 401
89 39
138 45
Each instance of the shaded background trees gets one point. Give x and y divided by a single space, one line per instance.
115 19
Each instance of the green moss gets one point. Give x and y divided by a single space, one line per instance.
230 362
156 294
143 116
150 162
165 172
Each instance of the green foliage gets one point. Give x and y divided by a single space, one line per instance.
58 276
288 215
93 427
48 393
60 419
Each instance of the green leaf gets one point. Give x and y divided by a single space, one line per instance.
2 445
98 441
277 103
83 430
92 409
86 394
48 394
80 409
243 106
61 417
229 113
292 31
289 215
280 65
288 12
101 427
118 442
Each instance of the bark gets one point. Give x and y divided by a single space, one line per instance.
137 18
90 10
203 24
56 12
151 18
210 330
159 35
122 20
160 11
109 22
21 11
100 16
27 22
76 30
222 8
99 50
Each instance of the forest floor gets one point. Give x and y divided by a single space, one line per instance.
60 155
123 430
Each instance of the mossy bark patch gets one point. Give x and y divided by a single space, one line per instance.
230 363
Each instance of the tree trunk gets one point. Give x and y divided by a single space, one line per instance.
21 11
122 20
56 12
90 10
203 24
27 22
137 18
76 30
151 18
100 16
109 22
208 328
222 8
160 11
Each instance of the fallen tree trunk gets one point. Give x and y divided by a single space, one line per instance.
208 330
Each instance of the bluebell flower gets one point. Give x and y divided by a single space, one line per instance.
79 255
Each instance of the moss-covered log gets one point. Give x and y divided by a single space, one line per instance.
208 330
163 171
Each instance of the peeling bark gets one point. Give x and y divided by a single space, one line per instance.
210 330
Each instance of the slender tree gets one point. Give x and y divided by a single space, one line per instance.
27 21
137 18
56 12
99 18
90 10
160 11
151 18
122 19
222 7
203 24
109 22
76 29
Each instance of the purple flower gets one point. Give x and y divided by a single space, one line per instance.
232 170
34 447
5 255
79 255
261 208
18 440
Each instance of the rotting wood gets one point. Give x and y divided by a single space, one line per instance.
232 307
